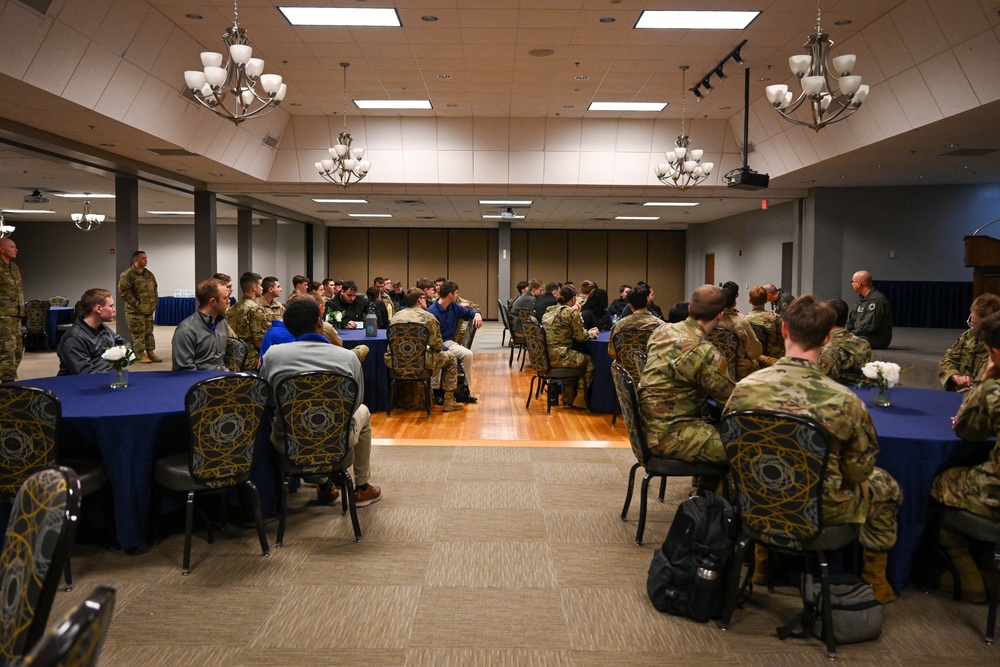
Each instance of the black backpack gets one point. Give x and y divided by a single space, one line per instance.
688 573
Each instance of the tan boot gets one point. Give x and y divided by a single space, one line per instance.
450 404
873 571
144 358
152 357
973 589
759 565
580 401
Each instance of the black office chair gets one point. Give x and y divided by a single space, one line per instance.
77 640
545 373
35 552
986 530
224 414
654 464
408 360
779 462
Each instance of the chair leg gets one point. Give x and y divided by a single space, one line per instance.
993 596
663 487
188 525
392 398
828 637
68 573
255 499
628 494
503 337
427 396
531 390
642 510
282 512
349 483
510 362
522 356
615 411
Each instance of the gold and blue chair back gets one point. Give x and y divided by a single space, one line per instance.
235 355
77 640
316 409
627 342
408 349
629 403
29 426
538 350
727 342
505 320
760 331
35 551
36 316
59 301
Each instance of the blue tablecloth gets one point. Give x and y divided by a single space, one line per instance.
916 442
602 393
127 429
376 375
172 310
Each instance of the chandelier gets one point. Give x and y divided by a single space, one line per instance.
825 103
239 77
683 167
345 165
87 221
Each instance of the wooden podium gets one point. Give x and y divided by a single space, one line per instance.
982 253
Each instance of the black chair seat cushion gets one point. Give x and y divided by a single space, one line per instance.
973 525
408 377
288 468
173 472
831 538
91 474
659 465
558 373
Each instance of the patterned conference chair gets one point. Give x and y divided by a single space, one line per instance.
224 414
408 360
316 409
35 551
778 462
627 343
728 343
77 640
760 331
545 373
36 316
235 355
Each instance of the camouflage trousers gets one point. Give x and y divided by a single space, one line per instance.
447 363
361 352
975 489
141 329
11 348
691 441
574 359
876 509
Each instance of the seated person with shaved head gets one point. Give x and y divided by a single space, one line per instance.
871 319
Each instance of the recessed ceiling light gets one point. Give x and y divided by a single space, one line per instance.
627 106
194 17
764 78
636 217
582 77
25 210
877 165
294 104
671 203
567 106
541 53
608 19
108 145
844 22
370 215
505 202
451 106
339 201
503 217
341 16
429 19
444 76
696 20
724 108
393 104
188 213
82 195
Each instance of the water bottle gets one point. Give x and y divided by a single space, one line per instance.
371 322
703 594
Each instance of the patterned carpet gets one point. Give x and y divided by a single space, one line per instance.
475 556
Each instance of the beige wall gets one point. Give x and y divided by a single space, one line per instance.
469 257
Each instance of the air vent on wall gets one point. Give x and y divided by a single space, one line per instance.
970 152
169 152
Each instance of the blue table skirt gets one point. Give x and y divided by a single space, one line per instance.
376 375
171 310
916 442
602 393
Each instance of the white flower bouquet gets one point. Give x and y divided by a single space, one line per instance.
881 374
120 356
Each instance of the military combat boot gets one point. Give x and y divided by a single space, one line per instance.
152 357
144 358
450 404
973 589
873 571
759 565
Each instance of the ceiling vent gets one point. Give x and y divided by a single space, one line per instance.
169 152
271 141
409 202
970 152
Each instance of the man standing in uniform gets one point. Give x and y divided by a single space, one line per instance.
11 312
137 286
855 491
682 370
247 319
872 319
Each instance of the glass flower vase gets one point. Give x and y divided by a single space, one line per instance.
881 398
119 378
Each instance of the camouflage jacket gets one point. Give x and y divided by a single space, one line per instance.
682 370
842 358
138 291
749 349
967 356
771 322
563 325
979 419
248 321
273 311
799 387
11 291
639 320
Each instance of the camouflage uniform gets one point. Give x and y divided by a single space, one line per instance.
563 325
248 321
682 370
967 356
11 312
274 310
138 291
976 489
772 323
436 356
854 491
842 358
642 319
749 349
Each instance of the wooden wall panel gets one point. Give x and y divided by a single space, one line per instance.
518 259
588 257
347 250
626 259
468 262
547 252
428 253
388 255
666 267
492 274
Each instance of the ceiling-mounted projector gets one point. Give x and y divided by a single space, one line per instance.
508 214
36 197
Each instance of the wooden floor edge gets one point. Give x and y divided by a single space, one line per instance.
413 442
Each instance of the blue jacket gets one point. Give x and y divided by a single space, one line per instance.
449 317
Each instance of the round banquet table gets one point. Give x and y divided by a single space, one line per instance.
916 442
128 429
602 392
376 376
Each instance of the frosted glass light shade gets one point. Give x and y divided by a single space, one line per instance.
240 53
799 64
216 76
860 96
270 83
194 79
696 154
254 68
849 84
812 85
211 59
844 65
776 93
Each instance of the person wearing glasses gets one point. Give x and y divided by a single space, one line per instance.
966 360
871 319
